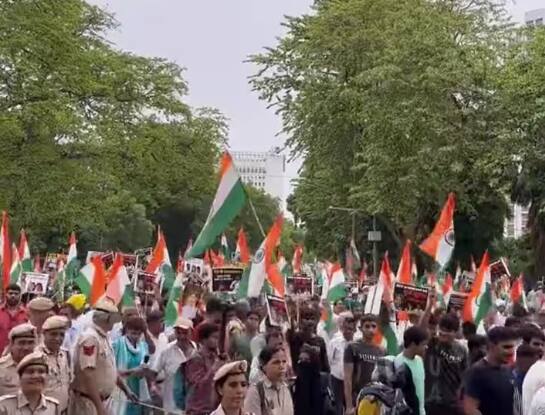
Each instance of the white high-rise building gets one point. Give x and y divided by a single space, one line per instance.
517 225
535 17
263 170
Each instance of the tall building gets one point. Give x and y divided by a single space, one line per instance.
516 225
263 170
535 17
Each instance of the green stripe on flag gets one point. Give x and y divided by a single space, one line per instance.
216 224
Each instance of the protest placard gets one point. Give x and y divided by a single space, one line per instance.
299 284
277 311
410 297
226 279
35 282
498 269
456 302
144 282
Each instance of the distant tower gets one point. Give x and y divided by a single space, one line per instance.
264 170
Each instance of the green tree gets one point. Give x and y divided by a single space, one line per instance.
522 89
391 104
94 139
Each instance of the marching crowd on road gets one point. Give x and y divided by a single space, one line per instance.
69 358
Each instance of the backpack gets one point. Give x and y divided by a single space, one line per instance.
384 395
379 399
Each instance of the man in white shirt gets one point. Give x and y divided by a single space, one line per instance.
170 359
335 354
533 381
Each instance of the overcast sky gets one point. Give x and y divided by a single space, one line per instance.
211 39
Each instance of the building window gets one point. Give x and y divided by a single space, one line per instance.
539 22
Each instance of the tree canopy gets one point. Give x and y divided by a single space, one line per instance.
95 139
393 105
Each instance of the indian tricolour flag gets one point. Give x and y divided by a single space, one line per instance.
24 252
242 252
224 253
440 244
517 293
446 290
404 272
119 288
72 263
160 263
91 280
334 289
5 250
255 275
173 303
16 270
479 300
297 260
229 200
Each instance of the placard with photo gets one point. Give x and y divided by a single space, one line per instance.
456 302
299 284
277 311
35 282
226 279
410 297
144 282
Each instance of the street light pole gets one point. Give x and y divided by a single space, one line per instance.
352 212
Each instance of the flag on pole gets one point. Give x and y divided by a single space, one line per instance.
229 200
217 260
383 290
119 288
24 252
255 275
297 260
335 284
173 303
517 294
405 269
446 290
225 254
440 244
207 260
242 252
72 263
60 281
181 258
479 300
363 273
91 280
352 258
160 263
275 280
16 267
5 250
473 266
37 263
457 276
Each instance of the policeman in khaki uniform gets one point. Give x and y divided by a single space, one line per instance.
22 340
59 373
39 310
95 373
29 399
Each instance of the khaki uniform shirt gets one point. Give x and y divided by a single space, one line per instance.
93 350
17 404
58 377
9 378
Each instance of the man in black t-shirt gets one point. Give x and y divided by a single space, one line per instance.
360 359
488 387
445 362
